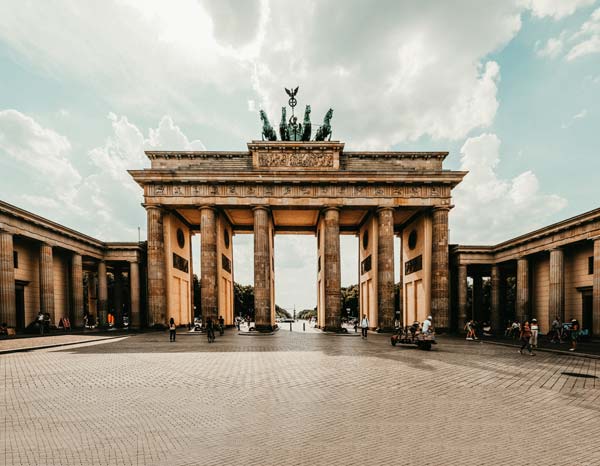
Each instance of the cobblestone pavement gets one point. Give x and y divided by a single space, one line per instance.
296 398
19 344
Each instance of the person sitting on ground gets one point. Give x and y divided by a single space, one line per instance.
3 329
426 327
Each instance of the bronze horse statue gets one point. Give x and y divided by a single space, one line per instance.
325 129
268 133
284 133
307 126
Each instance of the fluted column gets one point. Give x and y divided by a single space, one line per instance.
118 296
556 292
401 282
596 288
440 307
8 310
522 305
262 270
47 280
134 290
385 268
495 318
157 295
76 291
102 293
332 270
208 263
462 296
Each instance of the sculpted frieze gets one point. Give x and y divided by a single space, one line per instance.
300 190
296 159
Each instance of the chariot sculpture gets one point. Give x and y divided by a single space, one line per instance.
290 129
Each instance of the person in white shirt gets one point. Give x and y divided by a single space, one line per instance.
534 333
426 325
364 326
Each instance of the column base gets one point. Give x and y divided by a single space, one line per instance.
334 329
385 330
264 328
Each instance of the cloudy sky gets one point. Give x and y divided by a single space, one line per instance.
510 88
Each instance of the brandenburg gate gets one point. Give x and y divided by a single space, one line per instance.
301 187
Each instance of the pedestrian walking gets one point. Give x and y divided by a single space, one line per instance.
574 334
534 333
470 328
364 325
221 325
172 330
556 330
210 329
526 338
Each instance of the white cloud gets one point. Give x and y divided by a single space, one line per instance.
375 66
587 38
490 209
43 157
105 203
556 9
578 116
552 49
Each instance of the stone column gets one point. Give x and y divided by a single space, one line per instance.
262 270
332 271
8 309
495 318
118 296
385 268
556 291
76 291
102 293
401 283
157 295
440 307
462 297
208 264
596 288
477 296
522 304
47 281
134 290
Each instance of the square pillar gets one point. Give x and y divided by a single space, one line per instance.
8 308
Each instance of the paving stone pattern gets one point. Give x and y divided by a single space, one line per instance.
295 398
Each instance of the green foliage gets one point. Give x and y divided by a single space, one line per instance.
306 314
350 301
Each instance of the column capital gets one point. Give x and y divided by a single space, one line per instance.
261 207
153 207
384 209
208 207
327 208
441 208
